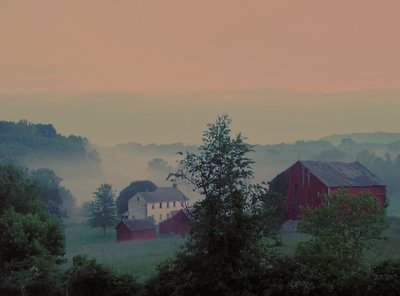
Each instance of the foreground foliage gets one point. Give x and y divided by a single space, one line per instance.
87 278
31 238
343 227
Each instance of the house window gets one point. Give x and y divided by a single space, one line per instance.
167 216
167 204
160 205
174 204
160 217
152 206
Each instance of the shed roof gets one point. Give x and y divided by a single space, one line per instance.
337 174
163 194
137 225
185 211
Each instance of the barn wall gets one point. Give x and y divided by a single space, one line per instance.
378 191
123 233
144 234
304 189
178 224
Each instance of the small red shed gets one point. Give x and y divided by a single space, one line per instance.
178 224
136 230
307 180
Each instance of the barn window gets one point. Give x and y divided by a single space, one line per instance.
167 204
174 204
160 205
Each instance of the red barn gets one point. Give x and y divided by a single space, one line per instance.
179 223
136 230
307 180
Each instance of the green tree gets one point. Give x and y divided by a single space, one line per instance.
102 209
130 191
342 228
17 190
52 193
159 165
225 251
30 238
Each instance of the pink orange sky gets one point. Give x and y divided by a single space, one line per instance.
159 71
75 46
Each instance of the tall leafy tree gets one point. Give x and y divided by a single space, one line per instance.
102 209
225 249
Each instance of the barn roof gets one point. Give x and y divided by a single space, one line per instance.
337 174
137 225
163 194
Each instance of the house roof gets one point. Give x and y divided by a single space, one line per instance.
163 194
137 225
337 174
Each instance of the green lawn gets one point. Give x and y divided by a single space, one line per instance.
139 258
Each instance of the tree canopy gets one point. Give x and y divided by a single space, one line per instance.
130 191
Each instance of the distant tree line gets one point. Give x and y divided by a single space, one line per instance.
20 140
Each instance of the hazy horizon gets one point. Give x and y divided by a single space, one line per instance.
263 116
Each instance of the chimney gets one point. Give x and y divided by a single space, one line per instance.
174 185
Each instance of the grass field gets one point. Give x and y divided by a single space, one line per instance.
140 258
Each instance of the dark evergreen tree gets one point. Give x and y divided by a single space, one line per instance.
102 209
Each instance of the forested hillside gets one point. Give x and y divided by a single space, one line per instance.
24 140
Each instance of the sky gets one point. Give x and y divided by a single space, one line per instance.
158 71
